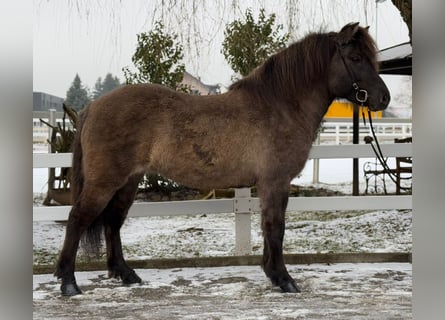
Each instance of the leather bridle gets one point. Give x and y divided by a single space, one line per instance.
361 95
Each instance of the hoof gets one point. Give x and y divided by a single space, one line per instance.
131 278
290 287
70 289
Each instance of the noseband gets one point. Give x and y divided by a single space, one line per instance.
361 95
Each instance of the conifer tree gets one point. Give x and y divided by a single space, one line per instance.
77 95
106 85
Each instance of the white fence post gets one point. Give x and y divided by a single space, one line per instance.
51 121
316 163
337 134
243 209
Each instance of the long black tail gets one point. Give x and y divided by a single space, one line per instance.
92 238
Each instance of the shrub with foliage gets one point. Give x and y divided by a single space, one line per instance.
248 43
157 59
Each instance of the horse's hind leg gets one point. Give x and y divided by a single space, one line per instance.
114 216
273 205
86 209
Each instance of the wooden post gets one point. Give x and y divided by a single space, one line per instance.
243 209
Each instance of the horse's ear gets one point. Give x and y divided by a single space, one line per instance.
347 33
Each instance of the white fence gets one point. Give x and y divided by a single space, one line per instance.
336 131
243 205
340 130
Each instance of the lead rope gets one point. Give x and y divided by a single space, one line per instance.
378 151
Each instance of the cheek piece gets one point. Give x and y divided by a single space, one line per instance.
361 95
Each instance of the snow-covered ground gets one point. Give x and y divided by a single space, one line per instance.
339 291
214 235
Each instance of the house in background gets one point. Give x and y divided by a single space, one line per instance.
198 87
43 102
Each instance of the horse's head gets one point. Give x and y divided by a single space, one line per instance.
354 70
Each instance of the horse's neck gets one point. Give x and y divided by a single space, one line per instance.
311 108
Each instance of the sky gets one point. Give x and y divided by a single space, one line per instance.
93 38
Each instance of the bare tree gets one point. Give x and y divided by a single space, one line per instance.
405 7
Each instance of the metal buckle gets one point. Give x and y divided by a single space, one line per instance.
361 95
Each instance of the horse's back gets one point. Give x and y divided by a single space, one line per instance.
132 101
120 125
195 140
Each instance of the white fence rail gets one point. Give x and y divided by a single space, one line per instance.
340 131
55 160
334 130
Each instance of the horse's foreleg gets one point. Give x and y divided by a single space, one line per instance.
273 206
115 214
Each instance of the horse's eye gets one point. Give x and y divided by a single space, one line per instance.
355 57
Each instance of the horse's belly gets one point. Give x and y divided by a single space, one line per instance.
201 169
213 180
210 177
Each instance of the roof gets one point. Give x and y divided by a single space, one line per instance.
396 59
197 85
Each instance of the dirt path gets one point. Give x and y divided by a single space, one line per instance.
340 291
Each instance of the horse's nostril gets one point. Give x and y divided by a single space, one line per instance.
384 99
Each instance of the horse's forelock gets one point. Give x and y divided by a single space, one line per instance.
367 46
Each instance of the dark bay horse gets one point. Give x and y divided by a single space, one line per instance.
258 133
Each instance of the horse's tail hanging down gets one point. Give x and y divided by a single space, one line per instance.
91 239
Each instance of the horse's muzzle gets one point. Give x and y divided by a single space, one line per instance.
379 104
